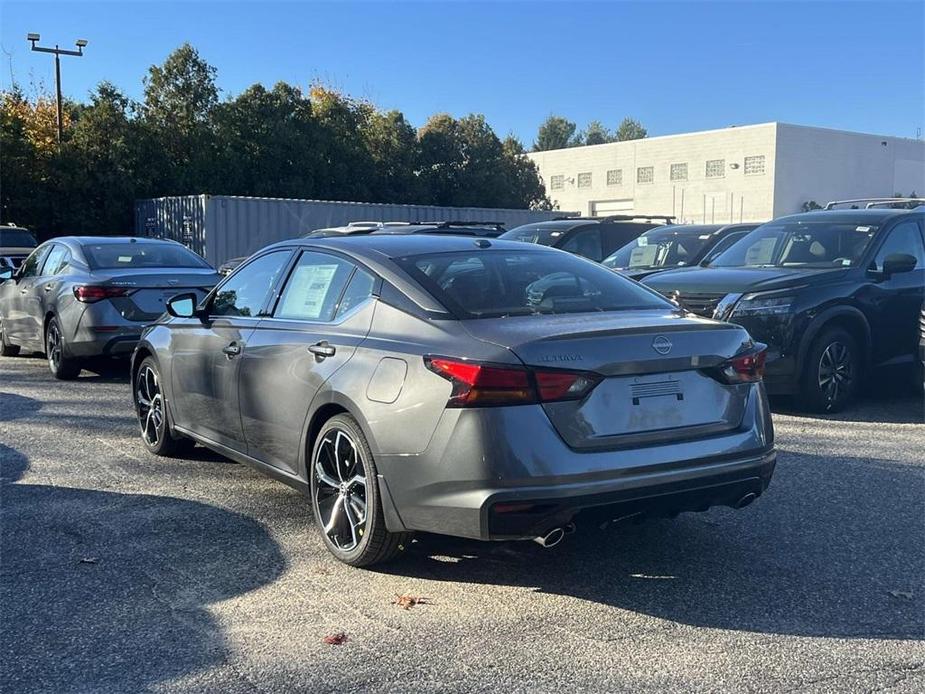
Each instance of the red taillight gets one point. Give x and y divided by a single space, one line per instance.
745 368
88 293
482 385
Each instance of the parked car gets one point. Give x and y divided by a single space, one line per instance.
429 383
674 245
83 296
832 293
15 244
591 237
486 229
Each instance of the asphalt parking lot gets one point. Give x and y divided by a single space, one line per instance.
122 572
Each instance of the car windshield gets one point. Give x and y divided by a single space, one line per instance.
17 238
659 248
812 244
499 283
129 254
541 233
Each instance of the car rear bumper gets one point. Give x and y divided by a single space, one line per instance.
513 457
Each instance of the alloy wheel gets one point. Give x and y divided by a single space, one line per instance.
150 405
340 490
53 346
836 371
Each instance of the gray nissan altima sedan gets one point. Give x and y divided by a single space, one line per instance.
472 387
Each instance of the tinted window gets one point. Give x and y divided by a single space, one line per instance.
585 243
314 287
246 291
129 254
543 233
490 284
815 244
904 238
722 245
16 238
358 291
57 260
31 265
660 248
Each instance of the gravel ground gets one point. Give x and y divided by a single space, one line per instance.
122 572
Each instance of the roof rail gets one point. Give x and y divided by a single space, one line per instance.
870 203
616 218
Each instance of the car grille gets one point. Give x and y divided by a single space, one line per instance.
922 323
701 304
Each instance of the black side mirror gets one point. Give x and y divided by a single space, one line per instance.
898 262
182 305
6 273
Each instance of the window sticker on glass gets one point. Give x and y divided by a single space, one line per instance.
863 230
703 237
125 258
761 252
308 290
643 256
642 241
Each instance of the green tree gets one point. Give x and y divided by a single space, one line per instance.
522 184
555 133
595 134
347 167
395 152
630 129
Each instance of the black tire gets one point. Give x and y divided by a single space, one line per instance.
832 372
6 349
61 364
341 454
151 410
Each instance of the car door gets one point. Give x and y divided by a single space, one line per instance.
323 312
894 302
27 317
206 351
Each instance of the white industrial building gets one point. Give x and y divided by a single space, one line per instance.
744 173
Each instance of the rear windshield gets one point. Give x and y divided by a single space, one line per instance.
118 255
17 238
659 248
813 244
498 283
541 233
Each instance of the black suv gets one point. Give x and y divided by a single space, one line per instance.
591 237
832 293
674 245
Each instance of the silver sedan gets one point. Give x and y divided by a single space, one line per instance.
472 387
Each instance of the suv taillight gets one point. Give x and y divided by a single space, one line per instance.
89 293
483 385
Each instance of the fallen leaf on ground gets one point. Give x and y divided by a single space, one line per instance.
88 560
907 594
338 639
406 602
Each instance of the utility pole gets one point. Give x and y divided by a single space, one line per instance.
58 52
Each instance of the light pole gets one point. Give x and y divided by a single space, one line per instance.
58 52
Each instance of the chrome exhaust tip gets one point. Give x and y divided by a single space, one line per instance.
746 500
550 539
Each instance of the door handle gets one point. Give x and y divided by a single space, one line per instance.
322 349
232 350
23 291
49 287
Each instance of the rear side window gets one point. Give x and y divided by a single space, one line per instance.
358 290
586 243
904 238
246 291
140 255
498 283
314 288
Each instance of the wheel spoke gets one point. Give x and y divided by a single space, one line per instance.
324 477
352 521
335 512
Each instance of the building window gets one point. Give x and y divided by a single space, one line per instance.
645 174
584 180
754 166
716 168
615 177
556 182
679 172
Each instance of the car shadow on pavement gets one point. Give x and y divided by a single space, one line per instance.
833 549
104 591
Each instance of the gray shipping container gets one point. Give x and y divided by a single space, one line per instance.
219 227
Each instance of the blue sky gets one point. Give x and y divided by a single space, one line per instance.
675 66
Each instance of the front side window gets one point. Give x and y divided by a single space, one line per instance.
499 283
246 291
808 244
906 239
32 264
314 287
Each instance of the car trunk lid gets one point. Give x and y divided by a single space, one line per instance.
148 293
655 366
